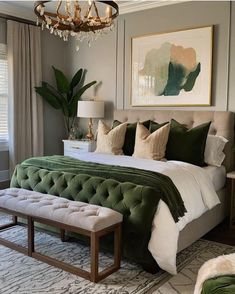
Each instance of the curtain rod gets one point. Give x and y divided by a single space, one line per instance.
14 18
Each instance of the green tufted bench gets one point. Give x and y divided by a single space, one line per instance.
136 203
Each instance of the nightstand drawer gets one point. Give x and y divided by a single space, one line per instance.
72 147
77 147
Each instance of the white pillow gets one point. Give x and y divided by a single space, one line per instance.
214 154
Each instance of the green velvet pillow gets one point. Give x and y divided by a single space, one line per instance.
129 143
187 145
155 126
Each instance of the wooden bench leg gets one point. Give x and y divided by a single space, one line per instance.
94 257
117 246
30 236
14 219
62 235
97 276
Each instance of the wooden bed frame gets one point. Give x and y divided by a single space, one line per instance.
222 124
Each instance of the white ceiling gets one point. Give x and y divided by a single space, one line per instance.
24 9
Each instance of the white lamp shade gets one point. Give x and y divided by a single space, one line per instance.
90 109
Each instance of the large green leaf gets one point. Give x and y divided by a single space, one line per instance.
76 78
48 96
61 81
72 107
60 97
79 93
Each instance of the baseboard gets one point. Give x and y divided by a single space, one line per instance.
4 175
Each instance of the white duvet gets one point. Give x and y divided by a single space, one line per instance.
196 189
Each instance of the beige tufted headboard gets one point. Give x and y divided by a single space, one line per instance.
222 123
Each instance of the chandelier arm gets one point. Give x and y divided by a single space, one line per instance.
58 7
68 8
77 11
88 10
96 10
60 15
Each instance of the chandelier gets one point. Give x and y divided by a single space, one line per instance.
84 20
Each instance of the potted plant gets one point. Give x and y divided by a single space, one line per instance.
66 94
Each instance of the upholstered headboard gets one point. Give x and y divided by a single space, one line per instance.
222 123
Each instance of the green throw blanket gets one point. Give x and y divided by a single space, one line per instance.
163 184
219 285
133 192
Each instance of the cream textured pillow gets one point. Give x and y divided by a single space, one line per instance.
151 145
109 140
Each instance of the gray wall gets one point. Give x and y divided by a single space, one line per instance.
100 60
109 59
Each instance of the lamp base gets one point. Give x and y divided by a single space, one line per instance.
90 135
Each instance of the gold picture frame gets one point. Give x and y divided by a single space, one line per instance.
172 68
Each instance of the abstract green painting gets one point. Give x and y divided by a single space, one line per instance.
172 68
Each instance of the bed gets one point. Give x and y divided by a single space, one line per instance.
223 125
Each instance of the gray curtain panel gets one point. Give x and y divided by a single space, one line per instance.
3 31
25 107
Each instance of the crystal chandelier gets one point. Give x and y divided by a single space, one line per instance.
84 20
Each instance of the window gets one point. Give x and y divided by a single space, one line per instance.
3 95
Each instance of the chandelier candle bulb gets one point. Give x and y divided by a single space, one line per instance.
109 12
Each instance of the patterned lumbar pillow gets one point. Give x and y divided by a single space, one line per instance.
151 145
110 140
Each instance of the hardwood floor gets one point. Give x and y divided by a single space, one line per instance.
222 234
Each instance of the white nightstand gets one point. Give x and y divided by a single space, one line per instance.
74 147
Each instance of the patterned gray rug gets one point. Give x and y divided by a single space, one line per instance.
20 274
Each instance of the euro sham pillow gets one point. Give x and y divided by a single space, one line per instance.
151 145
214 154
129 143
187 145
110 141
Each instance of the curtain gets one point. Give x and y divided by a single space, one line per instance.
3 31
25 107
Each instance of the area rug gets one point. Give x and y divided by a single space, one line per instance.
20 274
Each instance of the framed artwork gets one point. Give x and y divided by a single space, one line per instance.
172 69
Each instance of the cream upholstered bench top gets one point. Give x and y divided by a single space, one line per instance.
74 213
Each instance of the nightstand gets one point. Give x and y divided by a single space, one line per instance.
75 147
231 177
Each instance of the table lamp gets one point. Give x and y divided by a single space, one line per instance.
90 109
